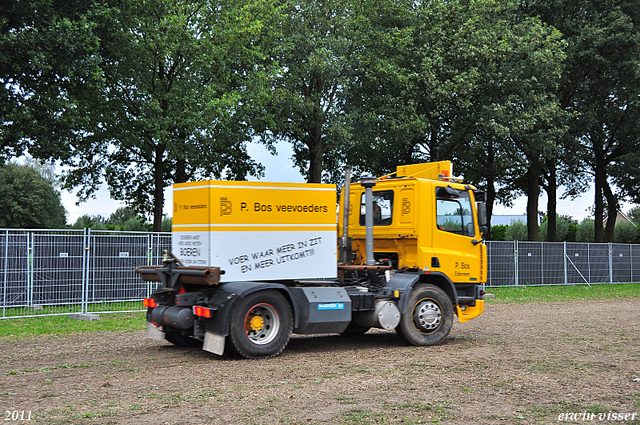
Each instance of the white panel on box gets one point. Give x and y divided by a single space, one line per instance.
265 255
192 248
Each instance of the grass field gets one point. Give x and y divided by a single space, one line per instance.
536 294
52 325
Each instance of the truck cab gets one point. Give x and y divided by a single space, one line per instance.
426 223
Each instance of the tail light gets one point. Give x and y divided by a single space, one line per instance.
149 302
202 312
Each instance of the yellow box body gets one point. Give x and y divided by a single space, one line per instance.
256 230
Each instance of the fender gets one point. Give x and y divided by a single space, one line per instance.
228 294
404 282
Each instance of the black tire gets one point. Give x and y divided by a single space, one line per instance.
260 325
428 316
176 338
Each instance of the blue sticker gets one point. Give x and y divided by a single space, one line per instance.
331 306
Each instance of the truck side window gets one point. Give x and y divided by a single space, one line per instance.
382 208
454 212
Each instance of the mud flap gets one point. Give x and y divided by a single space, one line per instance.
154 332
213 343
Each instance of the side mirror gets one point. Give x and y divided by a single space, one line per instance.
482 215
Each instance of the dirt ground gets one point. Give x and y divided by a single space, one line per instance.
541 363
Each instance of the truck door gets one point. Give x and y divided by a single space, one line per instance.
456 235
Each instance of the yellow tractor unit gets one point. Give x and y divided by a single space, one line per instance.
254 262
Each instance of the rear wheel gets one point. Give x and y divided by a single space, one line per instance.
428 317
260 325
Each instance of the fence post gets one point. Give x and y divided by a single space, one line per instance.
488 243
515 260
85 272
564 261
30 269
631 262
589 261
610 262
5 278
541 262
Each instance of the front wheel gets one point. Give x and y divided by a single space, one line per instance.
261 325
428 317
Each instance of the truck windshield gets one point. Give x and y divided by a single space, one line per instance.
454 212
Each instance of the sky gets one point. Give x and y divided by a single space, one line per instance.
280 169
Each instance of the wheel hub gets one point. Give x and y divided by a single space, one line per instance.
262 324
254 323
427 315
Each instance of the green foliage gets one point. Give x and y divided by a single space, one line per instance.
177 80
600 86
95 222
499 232
585 232
626 232
516 231
135 224
313 47
166 224
125 218
572 232
634 215
565 229
29 201
48 61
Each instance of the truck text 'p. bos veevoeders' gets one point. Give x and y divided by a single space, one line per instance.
254 262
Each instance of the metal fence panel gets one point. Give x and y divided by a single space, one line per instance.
14 268
577 258
112 260
600 271
553 263
635 263
48 272
502 263
57 268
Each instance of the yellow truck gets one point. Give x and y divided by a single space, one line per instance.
254 262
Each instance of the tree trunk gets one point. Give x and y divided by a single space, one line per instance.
612 211
600 180
552 193
316 151
491 197
158 190
533 193
181 171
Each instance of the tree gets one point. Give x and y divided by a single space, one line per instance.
29 200
626 232
172 106
517 231
95 222
634 215
47 62
563 228
585 232
600 86
125 218
473 82
313 50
